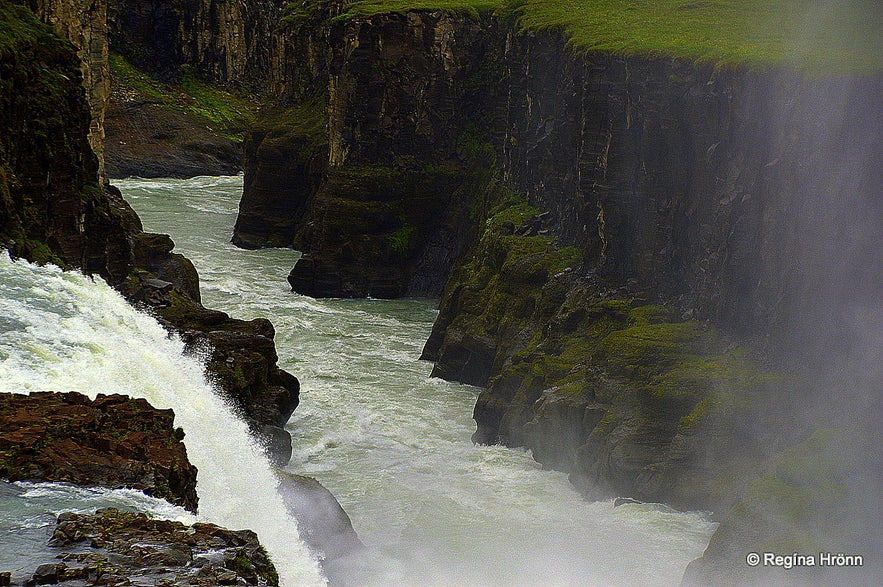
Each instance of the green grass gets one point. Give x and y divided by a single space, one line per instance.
228 113
365 8
809 35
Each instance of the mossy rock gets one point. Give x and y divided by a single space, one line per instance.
812 499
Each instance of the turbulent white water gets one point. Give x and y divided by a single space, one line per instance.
394 445
65 331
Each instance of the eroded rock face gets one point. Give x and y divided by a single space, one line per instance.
408 99
84 23
681 186
112 441
118 548
224 40
53 210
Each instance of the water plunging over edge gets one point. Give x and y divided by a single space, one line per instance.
65 331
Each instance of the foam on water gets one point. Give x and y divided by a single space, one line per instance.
66 332
393 444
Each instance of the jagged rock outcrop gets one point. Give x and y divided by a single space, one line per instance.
644 252
84 23
113 441
114 548
52 209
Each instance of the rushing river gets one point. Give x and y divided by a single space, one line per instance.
393 445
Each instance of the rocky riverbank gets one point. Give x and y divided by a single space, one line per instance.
116 548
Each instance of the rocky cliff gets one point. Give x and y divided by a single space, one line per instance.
405 147
225 41
52 209
84 23
658 268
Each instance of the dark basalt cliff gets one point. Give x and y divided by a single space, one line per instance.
383 204
657 268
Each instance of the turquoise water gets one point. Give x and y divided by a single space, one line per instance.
394 444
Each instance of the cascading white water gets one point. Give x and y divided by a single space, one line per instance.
393 445
64 331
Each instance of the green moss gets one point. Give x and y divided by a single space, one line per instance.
227 113
307 119
401 240
40 253
802 504
300 12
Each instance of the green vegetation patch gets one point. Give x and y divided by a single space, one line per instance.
366 8
228 113
810 35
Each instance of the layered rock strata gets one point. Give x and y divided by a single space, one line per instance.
405 150
113 441
84 23
644 253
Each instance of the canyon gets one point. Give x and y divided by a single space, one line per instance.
663 272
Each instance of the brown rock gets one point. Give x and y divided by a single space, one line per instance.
113 441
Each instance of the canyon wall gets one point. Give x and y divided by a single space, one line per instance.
84 23
53 209
222 41
642 254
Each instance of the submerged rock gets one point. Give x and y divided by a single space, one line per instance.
112 441
322 522
117 548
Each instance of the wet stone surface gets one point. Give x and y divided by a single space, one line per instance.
116 548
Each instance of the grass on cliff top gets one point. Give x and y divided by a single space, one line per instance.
811 35
228 113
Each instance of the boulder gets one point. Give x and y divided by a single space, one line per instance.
322 522
114 548
112 441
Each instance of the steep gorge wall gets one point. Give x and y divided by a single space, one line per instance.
747 200
84 23
223 41
405 110
53 209
704 185
632 243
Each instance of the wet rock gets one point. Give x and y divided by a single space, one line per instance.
117 548
322 522
48 573
112 441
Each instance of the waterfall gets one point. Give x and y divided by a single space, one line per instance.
63 331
